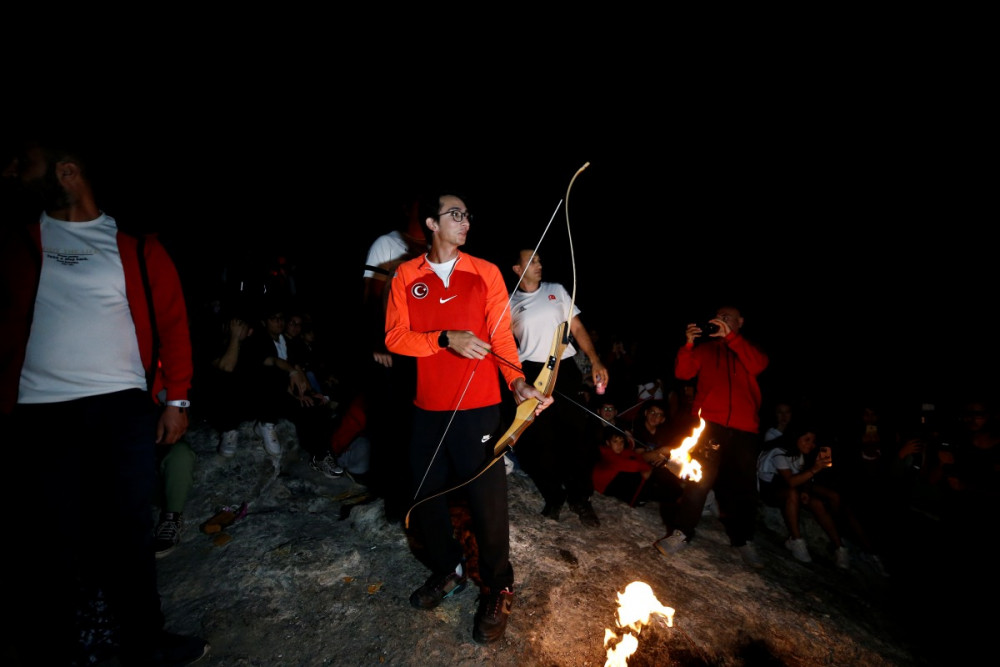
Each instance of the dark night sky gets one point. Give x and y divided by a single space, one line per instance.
858 249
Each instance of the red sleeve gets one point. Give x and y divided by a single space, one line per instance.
686 365
753 358
176 367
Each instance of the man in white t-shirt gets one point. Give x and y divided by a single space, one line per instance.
93 325
556 451
389 378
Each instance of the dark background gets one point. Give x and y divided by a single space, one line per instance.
855 238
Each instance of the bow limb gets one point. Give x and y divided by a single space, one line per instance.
544 383
546 380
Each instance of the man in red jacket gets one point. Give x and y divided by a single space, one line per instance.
727 397
449 310
80 346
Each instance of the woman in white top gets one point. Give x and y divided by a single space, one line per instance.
785 473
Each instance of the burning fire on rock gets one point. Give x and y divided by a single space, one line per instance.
681 463
635 606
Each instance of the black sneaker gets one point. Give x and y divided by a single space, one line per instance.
491 616
437 588
588 516
327 465
168 533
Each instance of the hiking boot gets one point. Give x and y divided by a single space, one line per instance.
437 588
843 558
491 615
672 543
588 516
327 465
750 556
168 533
799 549
227 444
267 434
551 510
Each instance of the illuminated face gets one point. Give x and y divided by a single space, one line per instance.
447 226
730 316
806 442
617 443
294 326
783 414
655 416
275 325
531 267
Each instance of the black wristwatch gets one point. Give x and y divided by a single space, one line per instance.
443 340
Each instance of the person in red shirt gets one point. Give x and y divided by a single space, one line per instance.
449 310
727 397
636 477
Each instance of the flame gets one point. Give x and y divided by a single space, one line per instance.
635 606
689 468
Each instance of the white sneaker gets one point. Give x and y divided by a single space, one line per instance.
750 556
875 562
799 549
843 558
711 507
227 445
267 434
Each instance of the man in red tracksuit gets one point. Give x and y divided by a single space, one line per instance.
727 397
449 310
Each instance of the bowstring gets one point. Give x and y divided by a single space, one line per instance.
475 366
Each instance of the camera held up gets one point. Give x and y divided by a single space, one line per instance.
707 329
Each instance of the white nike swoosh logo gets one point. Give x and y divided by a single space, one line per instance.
448 299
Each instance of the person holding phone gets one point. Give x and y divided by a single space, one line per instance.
727 396
787 474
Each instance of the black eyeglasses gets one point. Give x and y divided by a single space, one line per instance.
457 215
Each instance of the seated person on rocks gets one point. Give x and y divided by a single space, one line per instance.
631 476
281 391
785 473
225 382
652 432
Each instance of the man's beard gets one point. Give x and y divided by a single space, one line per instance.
47 192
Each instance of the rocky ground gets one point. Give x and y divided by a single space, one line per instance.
313 574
